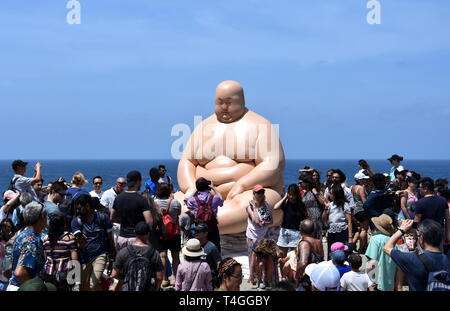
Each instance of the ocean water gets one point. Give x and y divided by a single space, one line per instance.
111 169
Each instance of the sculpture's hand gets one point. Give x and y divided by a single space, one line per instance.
235 190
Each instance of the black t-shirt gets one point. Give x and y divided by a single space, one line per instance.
432 207
124 255
129 207
291 216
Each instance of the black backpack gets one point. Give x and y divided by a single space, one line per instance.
141 273
12 187
67 208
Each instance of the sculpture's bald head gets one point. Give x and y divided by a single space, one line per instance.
229 101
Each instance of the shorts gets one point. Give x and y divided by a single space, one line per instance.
288 238
174 244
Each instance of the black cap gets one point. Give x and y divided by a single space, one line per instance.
18 163
142 228
134 176
201 227
395 157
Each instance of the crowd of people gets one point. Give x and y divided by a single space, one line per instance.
383 233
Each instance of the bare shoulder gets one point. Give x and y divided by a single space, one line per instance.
251 115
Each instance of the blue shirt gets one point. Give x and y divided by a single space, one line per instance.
78 191
28 251
343 269
151 186
15 216
415 271
377 202
96 233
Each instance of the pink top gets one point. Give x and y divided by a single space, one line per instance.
188 279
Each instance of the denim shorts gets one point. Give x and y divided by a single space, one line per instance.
288 238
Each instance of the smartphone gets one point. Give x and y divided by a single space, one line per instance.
414 225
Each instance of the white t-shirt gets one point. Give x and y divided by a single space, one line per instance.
108 198
95 194
356 281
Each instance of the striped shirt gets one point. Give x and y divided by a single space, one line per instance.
57 255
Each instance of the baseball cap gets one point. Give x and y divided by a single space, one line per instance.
258 188
395 157
338 246
37 285
202 227
18 163
338 256
361 175
324 276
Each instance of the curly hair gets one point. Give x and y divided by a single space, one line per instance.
227 267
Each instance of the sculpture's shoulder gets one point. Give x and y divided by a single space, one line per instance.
255 118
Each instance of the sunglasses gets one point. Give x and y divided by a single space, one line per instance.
238 277
259 192
98 183
122 183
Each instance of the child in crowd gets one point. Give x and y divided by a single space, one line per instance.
338 258
356 280
289 265
265 252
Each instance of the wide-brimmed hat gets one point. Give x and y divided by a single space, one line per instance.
384 224
193 248
395 157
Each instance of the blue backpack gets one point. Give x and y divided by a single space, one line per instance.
438 281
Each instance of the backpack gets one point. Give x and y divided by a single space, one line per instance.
140 272
438 281
205 213
102 216
170 226
67 208
12 187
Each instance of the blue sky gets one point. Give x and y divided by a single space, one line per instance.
113 86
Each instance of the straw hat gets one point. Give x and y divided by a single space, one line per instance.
384 224
193 248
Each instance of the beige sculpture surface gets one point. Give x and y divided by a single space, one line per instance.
236 149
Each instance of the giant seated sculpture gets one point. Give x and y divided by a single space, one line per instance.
236 149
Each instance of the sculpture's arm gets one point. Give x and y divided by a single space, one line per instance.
186 166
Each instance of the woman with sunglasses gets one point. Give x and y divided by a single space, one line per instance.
230 275
258 222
